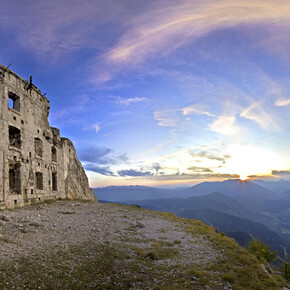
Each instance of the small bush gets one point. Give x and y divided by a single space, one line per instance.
286 270
262 251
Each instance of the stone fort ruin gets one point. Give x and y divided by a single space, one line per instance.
36 164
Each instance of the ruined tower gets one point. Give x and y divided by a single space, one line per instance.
36 164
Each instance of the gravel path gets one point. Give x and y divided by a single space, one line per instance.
67 223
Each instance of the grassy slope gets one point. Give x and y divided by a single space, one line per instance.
119 264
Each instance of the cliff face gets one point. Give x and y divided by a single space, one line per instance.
36 164
76 181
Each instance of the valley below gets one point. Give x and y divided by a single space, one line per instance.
241 209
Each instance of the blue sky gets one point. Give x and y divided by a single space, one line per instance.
160 93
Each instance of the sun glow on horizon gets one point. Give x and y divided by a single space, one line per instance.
243 177
250 160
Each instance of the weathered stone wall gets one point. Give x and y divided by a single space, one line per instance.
74 175
35 162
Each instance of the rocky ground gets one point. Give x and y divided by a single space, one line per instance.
77 245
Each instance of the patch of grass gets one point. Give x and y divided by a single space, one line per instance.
159 244
156 253
161 253
137 240
241 268
49 201
131 229
229 277
177 242
286 270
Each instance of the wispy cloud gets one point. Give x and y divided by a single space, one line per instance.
197 153
129 101
282 173
282 102
57 27
166 118
225 125
101 169
101 155
194 176
97 128
200 169
156 166
134 173
176 25
256 113
192 110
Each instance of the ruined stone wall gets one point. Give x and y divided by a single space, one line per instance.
35 162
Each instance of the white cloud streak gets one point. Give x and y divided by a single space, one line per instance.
282 102
194 110
257 114
166 118
225 125
129 101
97 128
54 28
172 27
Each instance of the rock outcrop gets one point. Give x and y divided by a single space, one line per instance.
36 164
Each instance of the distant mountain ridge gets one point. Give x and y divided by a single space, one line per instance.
234 188
249 194
216 200
279 186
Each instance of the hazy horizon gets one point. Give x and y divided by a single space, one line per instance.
187 185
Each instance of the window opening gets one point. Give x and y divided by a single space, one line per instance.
54 181
14 137
14 101
39 180
38 147
14 178
53 154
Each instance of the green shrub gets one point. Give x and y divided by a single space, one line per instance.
286 270
262 251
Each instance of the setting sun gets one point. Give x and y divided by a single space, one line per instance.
247 161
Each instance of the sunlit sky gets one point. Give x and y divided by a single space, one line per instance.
160 92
